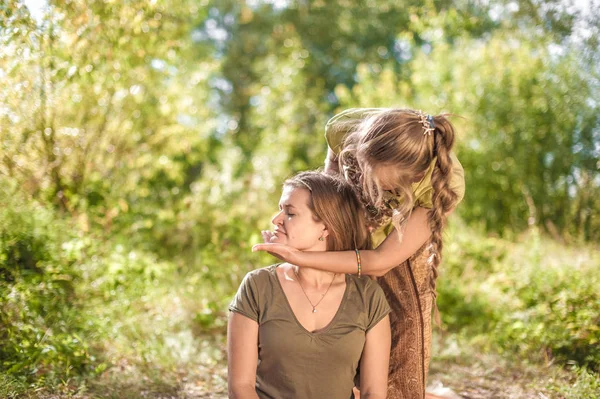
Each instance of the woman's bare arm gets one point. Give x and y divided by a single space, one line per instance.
242 356
375 361
376 262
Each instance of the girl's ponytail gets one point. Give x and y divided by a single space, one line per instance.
443 198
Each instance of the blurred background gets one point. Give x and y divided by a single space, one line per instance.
143 145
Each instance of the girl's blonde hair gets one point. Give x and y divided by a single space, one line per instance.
333 202
407 142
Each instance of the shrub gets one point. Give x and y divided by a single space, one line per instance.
537 299
40 323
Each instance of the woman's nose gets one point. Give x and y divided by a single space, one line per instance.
277 218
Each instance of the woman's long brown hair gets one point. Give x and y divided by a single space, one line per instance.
333 202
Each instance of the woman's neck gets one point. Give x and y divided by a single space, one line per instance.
312 277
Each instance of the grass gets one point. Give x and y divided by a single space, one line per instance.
476 373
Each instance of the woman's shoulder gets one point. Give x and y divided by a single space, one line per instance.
365 285
370 299
263 275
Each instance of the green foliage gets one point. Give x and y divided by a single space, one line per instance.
534 299
143 145
90 104
560 314
528 136
40 323
585 385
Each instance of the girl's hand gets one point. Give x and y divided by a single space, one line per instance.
281 251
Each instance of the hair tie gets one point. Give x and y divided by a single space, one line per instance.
431 121
427 121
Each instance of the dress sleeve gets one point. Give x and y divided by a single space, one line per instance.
457 181
378 306
246 299
457 184
343 123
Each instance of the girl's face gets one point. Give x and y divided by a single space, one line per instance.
391 179
295 225
388 177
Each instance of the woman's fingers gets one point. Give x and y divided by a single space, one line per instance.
264 235
267 235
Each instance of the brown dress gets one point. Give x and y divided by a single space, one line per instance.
408 292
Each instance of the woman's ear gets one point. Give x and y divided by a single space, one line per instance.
325 232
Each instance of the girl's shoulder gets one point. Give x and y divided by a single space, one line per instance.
338 127
423 190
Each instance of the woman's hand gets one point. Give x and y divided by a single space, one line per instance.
268 236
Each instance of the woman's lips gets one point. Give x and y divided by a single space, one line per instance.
279 232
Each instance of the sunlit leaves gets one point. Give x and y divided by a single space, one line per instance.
526 138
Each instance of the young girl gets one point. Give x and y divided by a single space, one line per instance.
400 164
301 332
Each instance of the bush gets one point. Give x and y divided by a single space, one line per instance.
560 316
536 299
40 322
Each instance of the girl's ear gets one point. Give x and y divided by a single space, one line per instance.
325 232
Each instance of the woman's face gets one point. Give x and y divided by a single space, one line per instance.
295 225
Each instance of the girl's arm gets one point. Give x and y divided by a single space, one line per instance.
242 356
376 262
332 166
375 361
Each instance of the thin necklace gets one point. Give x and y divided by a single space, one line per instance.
322 296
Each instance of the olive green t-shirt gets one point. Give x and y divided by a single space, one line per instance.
296 363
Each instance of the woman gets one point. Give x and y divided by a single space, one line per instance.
301 332
401 166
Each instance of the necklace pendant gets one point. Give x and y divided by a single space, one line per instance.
314 310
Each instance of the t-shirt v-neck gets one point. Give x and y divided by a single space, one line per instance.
333 319
294 362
